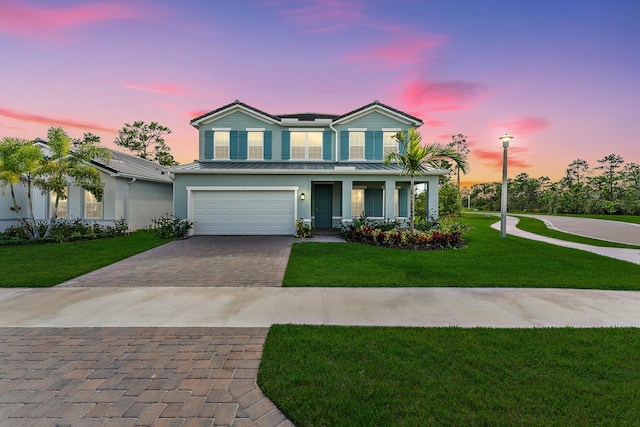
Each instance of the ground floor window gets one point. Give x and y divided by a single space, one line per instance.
92 207
62 211
367 201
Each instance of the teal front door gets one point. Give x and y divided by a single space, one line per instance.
322 199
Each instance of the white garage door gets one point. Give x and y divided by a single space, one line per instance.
243 212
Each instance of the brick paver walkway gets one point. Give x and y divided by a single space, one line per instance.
200 261
133 376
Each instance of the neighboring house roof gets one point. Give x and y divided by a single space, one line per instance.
127 166
289 168
308 117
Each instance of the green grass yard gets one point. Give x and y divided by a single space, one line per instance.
488 261
49 264
359 376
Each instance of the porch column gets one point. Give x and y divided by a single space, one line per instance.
432 197
389 198
347 186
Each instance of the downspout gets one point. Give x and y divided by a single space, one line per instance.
127 201
336 131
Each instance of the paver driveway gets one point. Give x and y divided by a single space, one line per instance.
192 376
200 261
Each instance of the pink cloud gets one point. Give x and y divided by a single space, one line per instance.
523 126
493 158
405 51
50 121
322 15
195 113
18 19
423 95
433 123
157 87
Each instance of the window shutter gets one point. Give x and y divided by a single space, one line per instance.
377 145
208 144
326 145
368 145
400 146
234 149
344 145
373 202
267 145
403 202
286 145
242 144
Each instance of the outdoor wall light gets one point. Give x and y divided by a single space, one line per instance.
503 203
302 196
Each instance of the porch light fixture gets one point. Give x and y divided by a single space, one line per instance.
503 202
302 196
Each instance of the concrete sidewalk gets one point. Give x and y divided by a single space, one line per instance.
262 307
629 255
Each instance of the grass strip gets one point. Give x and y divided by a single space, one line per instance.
488 261
536 226
49 264
361 376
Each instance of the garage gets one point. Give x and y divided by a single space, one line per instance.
242 211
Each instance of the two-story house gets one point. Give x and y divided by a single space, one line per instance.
258 172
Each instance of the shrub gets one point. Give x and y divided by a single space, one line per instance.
168 227
65 230
304 230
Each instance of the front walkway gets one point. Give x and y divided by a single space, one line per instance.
629 255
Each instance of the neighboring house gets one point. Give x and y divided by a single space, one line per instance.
134 189
258 173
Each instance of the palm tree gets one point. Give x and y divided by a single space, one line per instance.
68 162
19 160
416 159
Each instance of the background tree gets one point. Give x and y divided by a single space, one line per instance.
68 163
459 143
416 159
146 141
19 161
610 166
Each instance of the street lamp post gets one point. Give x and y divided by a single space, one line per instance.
503 205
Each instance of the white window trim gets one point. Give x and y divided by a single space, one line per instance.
306 145
255 129
357 129
391 129
221 129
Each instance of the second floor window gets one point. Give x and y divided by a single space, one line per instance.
389 144
221 145
255 141
306 145
356 145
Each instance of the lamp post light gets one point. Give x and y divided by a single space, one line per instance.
503 205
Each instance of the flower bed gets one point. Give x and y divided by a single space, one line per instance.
446 235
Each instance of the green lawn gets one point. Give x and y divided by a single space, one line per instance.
361 376
537 226
53 263
488 261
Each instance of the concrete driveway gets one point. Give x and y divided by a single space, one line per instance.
199 261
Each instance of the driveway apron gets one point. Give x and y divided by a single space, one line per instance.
199 261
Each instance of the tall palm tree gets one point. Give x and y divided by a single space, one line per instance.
19 160
416 159
68 162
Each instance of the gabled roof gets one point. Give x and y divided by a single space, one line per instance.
378 105
234 105
309 117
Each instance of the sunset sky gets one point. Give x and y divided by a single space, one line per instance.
562 76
